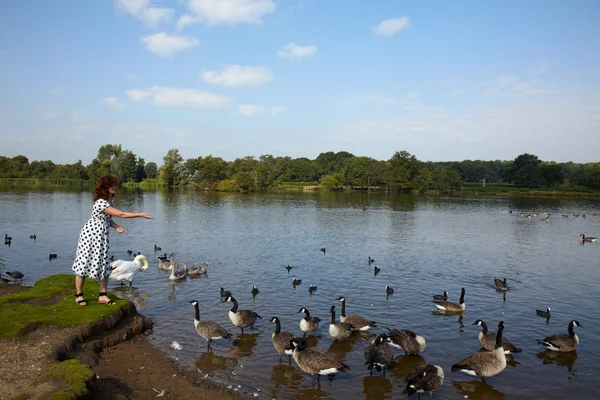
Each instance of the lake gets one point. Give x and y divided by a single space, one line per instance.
423 246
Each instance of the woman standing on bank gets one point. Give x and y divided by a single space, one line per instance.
92 248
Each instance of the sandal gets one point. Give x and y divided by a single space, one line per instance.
81 302
109 302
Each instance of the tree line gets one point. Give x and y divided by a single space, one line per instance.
403 172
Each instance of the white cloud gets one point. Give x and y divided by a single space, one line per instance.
185 20
292 51
130 76
507 85
390 27
114 103
180 98
55 92
277 110
46 112
238 75
231 12
143 10
251 110
165 45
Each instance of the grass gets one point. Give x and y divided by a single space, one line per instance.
507 189
19 310
72 375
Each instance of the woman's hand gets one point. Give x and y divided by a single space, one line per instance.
146 215
120 229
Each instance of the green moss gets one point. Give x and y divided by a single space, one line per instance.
73 377
51 301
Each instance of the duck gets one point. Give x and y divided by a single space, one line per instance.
358 323
34 236
442 297
296 282
16 275
376 270
316 361
196 270
241 318
426 378
589 239
449 306
289 268
124 270
282 341
324 250
308 324
162 258
485 364
500 284
488 339
209 330
178 275
129 251
7 239
542 313
370 260
338 330
156 248
312 289
378 354
389 290
165 263
562 343
254 291
225 293
407 340
52 255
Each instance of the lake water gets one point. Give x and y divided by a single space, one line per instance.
423 245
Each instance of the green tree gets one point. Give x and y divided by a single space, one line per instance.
170 171
151 169
525 171
124 166
552 174
333 181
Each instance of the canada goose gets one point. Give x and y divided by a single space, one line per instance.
450 306
296 281
488 339
442 297
209 330
254 291
485 363
225 293
16 275
34 236
323 249
389 290
289 267
500 284
426 378
281 340
590 239
562 343
124 270
370 260
338 330
358 323
378 354
545 314
376 270
177 275
308 324
312 289
407 340
52 255
316 361
241 318
198 269
156 248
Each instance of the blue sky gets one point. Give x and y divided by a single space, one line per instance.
444 80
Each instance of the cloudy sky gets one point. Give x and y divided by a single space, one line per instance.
444 80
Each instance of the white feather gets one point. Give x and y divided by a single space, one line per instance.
124 270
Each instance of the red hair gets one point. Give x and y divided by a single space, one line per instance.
102 185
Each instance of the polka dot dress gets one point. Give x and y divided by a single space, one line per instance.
92 250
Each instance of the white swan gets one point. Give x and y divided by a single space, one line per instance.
124 270
180 274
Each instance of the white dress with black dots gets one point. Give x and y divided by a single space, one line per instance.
92 248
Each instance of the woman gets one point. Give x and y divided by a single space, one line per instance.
92 248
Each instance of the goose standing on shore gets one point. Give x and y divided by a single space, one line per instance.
124 270
488 339
316 361
241 318
379 354
358 323
562 343
308 324
485 363
427 378
449 306
208 330
282 341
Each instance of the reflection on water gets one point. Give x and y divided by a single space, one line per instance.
422 245
566 359
478 390
461 314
